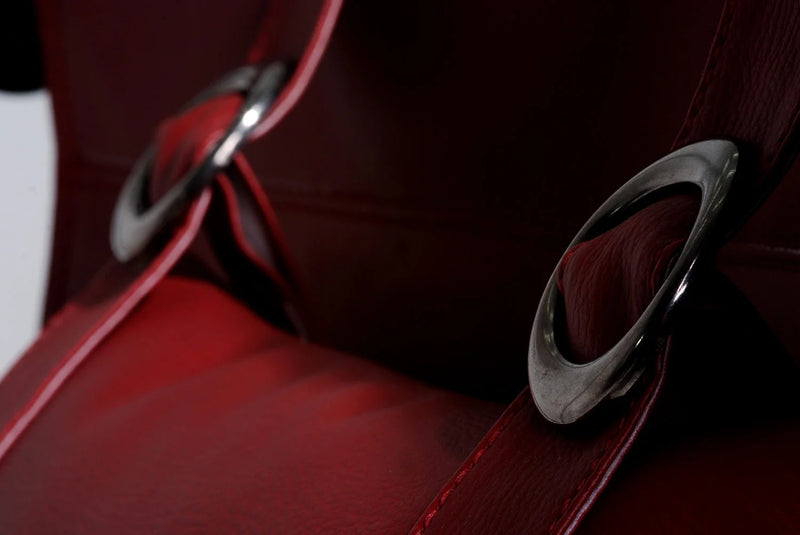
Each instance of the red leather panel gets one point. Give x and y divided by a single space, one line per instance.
216 421
730 484
762 115
76 331
395 209
606 283
528 476
433 149
182 143
719 454
752 101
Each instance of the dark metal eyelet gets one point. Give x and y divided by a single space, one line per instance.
564 391
132 227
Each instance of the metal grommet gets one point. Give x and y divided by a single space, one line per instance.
564 391
133 227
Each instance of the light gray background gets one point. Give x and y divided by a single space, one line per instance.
27 194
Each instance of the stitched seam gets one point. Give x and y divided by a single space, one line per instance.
476 457
117 312
698 104
662 257
708 76
67 365
592 468
376 210
57 319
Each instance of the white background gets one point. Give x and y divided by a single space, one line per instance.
27 195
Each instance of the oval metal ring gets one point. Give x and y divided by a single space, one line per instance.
133 227
564 391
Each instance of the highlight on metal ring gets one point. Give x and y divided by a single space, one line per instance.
565 391
132 226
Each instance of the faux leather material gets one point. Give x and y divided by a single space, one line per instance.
320 411
76 331
197 416
761 115
301 438
719 454
253 248
754 103
606 283
435 149
528 476
182 143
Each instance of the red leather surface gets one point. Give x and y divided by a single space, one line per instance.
33 382
244 231
315 440
761 114
313 415
752 102
434 150
755 103
724 353
196 415
719 454
528 476
76 331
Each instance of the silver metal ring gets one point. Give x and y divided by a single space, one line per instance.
133 227
564 391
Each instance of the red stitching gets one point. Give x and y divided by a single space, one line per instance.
785 134
116 313
699 100
697 105
492 438
592 468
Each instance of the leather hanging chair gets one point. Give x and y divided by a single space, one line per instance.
342 292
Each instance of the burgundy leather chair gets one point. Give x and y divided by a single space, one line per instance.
427 180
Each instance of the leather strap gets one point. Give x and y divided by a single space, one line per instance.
253 251
529 473
185 138
82 325
749 94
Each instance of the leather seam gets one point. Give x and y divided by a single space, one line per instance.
77 354
593 467
515 408
394 212
654 283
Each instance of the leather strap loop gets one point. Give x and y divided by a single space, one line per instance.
190 134
183 140
121 287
